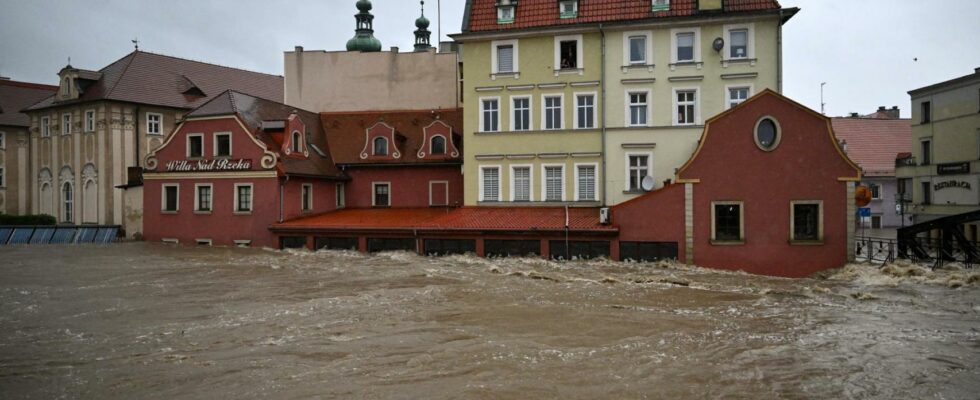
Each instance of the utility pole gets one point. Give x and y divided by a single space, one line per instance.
438 23
822 104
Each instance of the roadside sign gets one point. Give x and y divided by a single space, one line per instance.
864 211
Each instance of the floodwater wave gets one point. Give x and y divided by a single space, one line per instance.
141 320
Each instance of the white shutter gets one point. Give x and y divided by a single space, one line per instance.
505 59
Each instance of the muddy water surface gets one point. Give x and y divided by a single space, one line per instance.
150 321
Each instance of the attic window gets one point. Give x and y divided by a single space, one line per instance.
661 5
505 11
297 142
380 146
568 8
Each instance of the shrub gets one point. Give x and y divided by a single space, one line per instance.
40 219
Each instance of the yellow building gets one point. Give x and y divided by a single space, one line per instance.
941 175
577 105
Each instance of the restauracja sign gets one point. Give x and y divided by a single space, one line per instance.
951 184
209 165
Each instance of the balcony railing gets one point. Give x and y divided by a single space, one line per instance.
905 162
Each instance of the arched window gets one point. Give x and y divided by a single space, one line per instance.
380 146
297 142
438 145
66 196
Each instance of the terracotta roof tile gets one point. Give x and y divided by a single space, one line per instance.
16 96
542 13
345 133
874 143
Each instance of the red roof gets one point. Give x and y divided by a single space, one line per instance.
541 219
16 96
874 143
345 132
482 14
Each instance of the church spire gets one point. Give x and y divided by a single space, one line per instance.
364 39
422 33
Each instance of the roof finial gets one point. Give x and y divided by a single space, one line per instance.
422 33
136 43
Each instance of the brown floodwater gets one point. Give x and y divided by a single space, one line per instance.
141 320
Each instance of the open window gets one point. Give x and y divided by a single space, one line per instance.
568 52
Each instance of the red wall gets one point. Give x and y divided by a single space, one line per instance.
242 146
655 217
409 185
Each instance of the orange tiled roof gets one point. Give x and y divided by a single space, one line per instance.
874 143
482 14
541 219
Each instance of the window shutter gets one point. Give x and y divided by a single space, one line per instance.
505 59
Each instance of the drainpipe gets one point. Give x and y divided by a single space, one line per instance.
602 89
779 53
282 193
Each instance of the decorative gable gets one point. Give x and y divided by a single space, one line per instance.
374 136
432 135
294 143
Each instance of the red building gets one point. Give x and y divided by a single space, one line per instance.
398 159
235 166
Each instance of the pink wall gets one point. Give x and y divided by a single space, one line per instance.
242 146
409 185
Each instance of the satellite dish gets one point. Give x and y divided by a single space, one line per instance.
647 183
718 44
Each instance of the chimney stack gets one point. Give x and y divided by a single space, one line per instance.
895 113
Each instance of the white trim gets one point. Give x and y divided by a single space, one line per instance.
155 176
3 140
482 110
170 241
374 192
750 41
595 179
820 216
626 163
579 57
374 146
648 48
544 181
187 149
203 242
66 126
728 90
530 182
160 132
85 120
629 114
697 105
251 199
295 146
445 144
697 44
544 109
481 193
741 221
513 110
45 126
197 198
303 192
242 243
163 198
430 194
215 140
493 56
595 106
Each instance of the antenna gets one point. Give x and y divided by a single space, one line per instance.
438 22
822 104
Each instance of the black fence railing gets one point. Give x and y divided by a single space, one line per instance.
931 251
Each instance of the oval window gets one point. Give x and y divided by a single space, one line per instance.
766 134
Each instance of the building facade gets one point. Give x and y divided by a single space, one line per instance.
232 168
14 142
88 140
940 177
585 99
873 142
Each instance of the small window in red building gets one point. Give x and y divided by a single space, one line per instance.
380 146
767 134
438 145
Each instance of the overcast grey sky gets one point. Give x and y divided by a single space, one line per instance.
863 49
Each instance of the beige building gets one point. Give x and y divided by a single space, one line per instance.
88 140
942 175
14 154
580 104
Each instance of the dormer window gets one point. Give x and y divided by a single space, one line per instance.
66 87
297 142
438 145
505 11
661 5
380 146
568 8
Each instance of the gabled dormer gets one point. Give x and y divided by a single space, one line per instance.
438 142
506 10
381 142
295 142
74 81
568 8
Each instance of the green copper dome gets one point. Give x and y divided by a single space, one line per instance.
359 43
364 39
422 22
364 5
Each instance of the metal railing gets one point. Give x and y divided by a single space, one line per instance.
934 252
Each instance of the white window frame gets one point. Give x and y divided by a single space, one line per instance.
432 147
89 121
306 191
431 183
662 7
513 113
871 188
728 94
648 57
579 56
595 178
792 221
626 162
482 193
251 198
296 146
697 44
244 243
513 12
697 106
188 147
159 124
203 242
374 146
741 222
544 181
595 106
544 111
374 196
494 67
66 121
163 198
197 198
3 140
750 41
482 111
530 182
215 140
629 113
340 195
45 127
